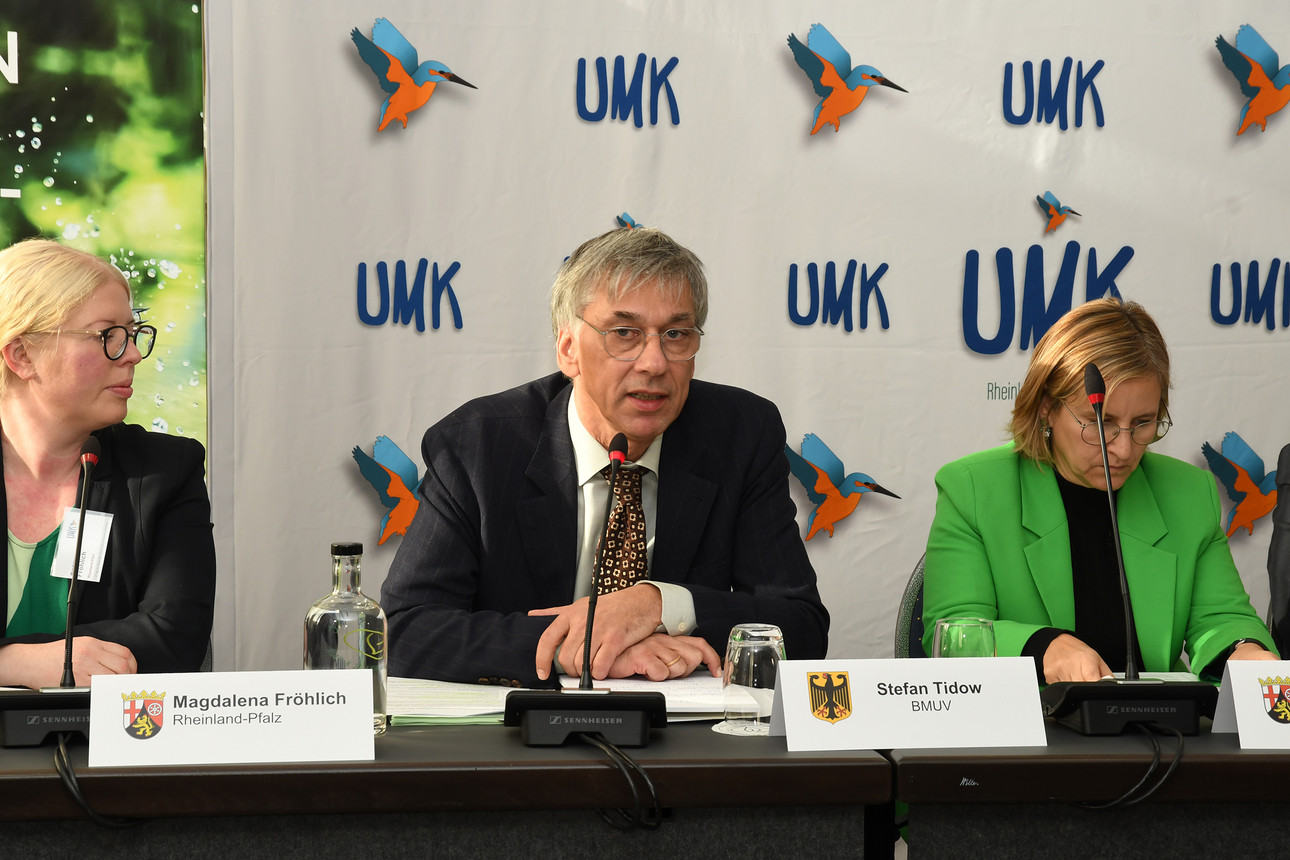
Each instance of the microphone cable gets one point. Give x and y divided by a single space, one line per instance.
1132 797
645 818
63 764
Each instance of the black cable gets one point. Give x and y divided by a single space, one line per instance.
1178 752
63 764
1131 797
645 818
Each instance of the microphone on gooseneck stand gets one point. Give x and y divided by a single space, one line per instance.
549 718
1095 388
90 451
617 454
1108 707
31 717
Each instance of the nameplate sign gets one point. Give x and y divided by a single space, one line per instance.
885 704
1254 702
231 717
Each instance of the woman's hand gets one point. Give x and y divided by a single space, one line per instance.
1069 659
41 665
1252 651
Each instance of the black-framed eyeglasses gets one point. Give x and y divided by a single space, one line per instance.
116 337
627 343
1141 434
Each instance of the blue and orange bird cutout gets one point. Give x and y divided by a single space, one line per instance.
1263 81
835 497
1053 210
841 89
625 220
409 83
394 477
1252 490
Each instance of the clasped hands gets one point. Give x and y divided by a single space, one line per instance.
1070 659
623 640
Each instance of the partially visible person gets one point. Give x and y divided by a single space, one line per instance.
70 343
1022 533
491 582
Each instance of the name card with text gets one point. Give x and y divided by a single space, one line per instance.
1254 701
231 717
885 704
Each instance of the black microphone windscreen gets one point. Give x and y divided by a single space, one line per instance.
1093 384
91 447
618 445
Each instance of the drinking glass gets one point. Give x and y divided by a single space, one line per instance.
752 660
964 637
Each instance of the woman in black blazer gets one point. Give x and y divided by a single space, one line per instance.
70 342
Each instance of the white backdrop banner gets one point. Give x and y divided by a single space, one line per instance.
883 283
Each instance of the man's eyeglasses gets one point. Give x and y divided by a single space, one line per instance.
1141 434
626 343
116 337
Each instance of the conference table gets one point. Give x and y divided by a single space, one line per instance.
1221 801
447 791
465 791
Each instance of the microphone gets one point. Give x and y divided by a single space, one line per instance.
617 454
90 451
1095 389
1108 707
551 717
30 717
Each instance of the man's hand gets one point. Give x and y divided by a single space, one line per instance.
41 665
1069 659
623 618
660 656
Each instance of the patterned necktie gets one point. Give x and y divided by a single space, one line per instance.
624 541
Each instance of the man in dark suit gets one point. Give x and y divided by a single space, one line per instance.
491 581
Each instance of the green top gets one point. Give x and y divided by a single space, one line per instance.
37 600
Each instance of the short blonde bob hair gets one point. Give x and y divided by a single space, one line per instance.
41 283
621 261
1119 337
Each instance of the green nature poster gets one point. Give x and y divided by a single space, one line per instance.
101 147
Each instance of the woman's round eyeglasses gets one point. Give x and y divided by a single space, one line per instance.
116 337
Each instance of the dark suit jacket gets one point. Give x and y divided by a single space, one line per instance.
1279 556
495 533
157 592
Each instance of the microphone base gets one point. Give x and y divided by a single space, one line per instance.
1109 707
29 718
550 718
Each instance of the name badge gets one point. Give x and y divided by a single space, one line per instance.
886 704
231 717
98 525
1254 702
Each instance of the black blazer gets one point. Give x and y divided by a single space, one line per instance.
157 592
1279 557
495 533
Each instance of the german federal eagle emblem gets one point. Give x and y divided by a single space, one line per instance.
144 713
830 695
1275 691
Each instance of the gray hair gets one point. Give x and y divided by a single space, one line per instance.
621 261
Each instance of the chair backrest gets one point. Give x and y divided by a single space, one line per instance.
1279 558
909 623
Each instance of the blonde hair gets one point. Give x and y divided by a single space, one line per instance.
621 261
41 283
1119 337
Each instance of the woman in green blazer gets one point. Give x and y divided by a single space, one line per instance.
1022 532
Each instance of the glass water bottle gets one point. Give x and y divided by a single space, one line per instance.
346 629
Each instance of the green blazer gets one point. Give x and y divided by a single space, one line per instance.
999 548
